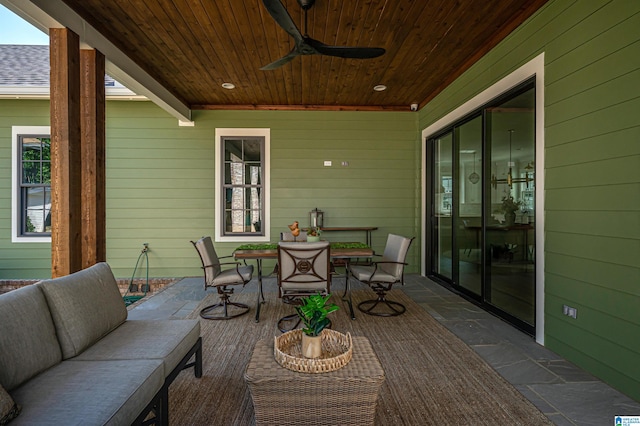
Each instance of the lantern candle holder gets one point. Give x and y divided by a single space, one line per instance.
316 218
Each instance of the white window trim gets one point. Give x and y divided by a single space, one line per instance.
219 167
15 170
535 67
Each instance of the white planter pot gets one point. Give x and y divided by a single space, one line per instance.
311 346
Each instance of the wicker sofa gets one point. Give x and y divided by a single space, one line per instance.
68 354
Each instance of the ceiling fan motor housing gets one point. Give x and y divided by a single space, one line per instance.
306 4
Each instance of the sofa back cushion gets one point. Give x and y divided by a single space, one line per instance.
28 343
85 306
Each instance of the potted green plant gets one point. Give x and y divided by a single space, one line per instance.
509 208
313 313
313 234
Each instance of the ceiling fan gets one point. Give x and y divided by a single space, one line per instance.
305 45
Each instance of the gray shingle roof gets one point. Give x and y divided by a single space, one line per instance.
28 66
22 65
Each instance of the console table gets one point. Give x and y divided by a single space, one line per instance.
366 229
345 396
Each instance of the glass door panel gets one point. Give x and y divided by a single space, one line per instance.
468 214
482 222
509 211
442 206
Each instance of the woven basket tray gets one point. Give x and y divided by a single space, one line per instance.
337 349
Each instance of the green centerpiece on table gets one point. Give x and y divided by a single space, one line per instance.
272 246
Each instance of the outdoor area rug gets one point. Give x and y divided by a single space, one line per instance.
431 376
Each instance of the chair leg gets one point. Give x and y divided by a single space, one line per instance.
208 312
392 308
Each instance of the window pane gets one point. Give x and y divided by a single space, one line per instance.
256 221
31 149
46 160
31 172
252 150
36 159
242 221
252 174
227 174
37 210
232 150
253 199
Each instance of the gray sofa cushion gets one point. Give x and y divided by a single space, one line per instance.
85 307
28 343
168 340
89 393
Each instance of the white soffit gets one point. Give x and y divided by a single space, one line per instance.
45 14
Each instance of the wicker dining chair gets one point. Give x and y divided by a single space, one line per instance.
214 276
382 275
304 270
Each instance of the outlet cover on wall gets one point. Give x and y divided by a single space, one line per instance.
570 312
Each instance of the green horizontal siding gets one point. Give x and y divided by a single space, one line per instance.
592 174
593 194
161 178
160 181
19 260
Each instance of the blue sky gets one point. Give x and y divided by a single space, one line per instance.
15 30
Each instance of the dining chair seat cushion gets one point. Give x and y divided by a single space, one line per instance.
310 287
230 276
364 274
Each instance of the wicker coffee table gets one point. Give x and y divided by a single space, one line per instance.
345 396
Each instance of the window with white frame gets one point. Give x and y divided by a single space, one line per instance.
242 187
31 184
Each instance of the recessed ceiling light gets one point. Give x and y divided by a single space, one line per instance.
228 86
380 88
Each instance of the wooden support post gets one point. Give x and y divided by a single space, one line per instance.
64 51
92 119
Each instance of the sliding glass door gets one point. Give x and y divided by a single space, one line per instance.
510 224
469 205
481 195
442 235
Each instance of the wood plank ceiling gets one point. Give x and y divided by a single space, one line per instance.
193 46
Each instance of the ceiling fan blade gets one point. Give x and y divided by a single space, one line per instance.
278 12
345 51
282 61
